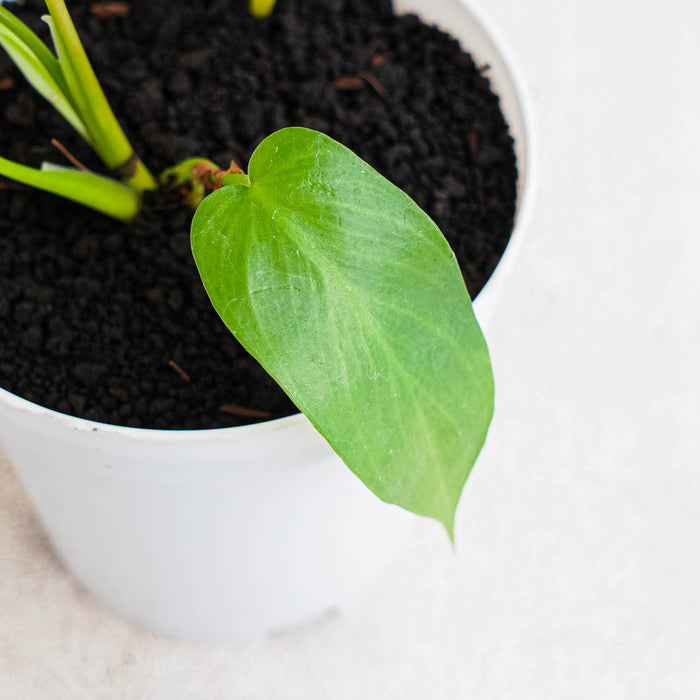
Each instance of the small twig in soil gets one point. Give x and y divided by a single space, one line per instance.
357 82
6 83
179 370
69 155
473 141
234 409
371 80
353 82
105 10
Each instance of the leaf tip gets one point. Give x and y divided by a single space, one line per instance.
449 524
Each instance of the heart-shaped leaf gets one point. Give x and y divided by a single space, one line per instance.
351 298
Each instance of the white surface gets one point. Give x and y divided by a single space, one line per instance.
577 561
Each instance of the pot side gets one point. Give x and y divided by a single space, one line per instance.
220 536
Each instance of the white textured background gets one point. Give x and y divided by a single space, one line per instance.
577 573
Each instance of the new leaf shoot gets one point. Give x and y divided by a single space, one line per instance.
90 102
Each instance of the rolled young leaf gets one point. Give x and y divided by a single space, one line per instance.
23 34
40 67
351 298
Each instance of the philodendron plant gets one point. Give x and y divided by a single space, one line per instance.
330 276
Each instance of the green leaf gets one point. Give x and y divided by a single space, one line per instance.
39 66
70 85
85 89
23 34
350 297
100 193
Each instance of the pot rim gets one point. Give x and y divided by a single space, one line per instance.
526 185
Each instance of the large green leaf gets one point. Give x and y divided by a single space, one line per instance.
350 297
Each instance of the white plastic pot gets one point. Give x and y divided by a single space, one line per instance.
223 535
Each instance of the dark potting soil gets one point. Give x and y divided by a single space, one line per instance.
110 321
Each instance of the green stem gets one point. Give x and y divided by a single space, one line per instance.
135 174
236 179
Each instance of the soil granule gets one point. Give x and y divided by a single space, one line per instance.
110 322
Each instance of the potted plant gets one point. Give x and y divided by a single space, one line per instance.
350 298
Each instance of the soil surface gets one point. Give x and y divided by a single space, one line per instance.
109 321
